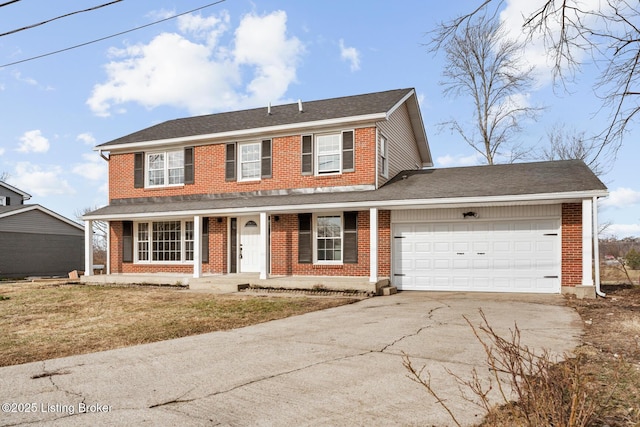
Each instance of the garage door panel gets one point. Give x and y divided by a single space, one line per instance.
504 256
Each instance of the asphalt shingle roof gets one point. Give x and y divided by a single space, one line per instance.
516 179
347 106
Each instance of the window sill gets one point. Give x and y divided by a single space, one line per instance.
328 266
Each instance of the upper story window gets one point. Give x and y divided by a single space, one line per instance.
163 168
384 157
248 161
328 153
3 201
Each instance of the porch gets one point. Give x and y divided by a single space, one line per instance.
225 283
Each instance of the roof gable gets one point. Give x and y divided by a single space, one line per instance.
8 212
25 196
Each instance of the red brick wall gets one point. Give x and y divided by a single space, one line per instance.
571 244
209 170
217 246
115 236
384 244
284 250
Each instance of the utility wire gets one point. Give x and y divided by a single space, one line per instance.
57 17
8 3
110 36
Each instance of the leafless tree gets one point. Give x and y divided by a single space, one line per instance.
100 230
484 65
609 36
4 176
570 144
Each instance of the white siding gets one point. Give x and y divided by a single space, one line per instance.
402 145
500 212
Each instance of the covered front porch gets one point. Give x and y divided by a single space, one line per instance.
224 283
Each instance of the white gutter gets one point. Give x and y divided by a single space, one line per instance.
382 204
596 253
244 132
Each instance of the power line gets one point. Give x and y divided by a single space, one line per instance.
9 2
110 36
57 17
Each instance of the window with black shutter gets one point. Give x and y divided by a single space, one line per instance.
305 242
230 162
127 241
138 170
347 152
307 155
266 159
188 166
350 237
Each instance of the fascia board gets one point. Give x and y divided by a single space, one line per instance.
245 133
386 204
25 196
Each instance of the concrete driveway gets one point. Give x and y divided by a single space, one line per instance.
341 366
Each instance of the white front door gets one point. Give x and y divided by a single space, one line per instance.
249 250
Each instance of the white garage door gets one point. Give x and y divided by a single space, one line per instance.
491 256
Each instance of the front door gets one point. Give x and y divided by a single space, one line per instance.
249 248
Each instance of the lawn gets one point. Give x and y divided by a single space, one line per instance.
43 321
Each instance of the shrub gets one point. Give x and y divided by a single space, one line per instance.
633 259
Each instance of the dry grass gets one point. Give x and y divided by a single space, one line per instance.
615 275
44 321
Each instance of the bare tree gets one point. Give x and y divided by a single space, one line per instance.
484 65
4 176
569 145
100 230
608 34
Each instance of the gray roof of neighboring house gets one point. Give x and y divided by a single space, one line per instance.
518 179
347 106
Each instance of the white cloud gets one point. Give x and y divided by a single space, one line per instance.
87 138
351 55
622 230
28 80
33 142
621 198
459 160
192 70
40 180
1 151
94 168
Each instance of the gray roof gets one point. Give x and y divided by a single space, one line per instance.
519 179
348 106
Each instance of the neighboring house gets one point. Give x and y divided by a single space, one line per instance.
35 241
340 193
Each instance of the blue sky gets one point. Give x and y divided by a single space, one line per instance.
242 54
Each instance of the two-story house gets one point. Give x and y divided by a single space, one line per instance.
35 241
341 193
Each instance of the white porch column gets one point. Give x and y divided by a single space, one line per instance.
587 242
108 255
373 245
88 248
264 245
197 246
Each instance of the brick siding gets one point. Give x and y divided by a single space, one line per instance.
571 244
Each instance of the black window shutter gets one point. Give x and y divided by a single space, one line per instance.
230 163
347 152
205 240
7 201
138 170
351 237
127 241
188 165
266 158
307 155
305 244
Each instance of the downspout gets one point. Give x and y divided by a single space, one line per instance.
596 252
102 155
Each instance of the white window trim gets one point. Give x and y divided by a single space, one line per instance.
384 156
239 161
183 240
316 156
314 226
3 201
166 169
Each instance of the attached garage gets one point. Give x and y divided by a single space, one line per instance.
490 249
